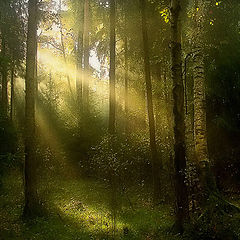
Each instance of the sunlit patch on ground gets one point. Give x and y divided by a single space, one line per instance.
79 209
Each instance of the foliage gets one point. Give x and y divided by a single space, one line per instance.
8 137
79 209
120 155
71 137
216 222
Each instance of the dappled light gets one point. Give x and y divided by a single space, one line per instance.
119 120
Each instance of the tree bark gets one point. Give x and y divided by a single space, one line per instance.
200 129
156 163
207 180
79 62
12 94
200 132
210 196
31 197
178 112
63 45
112 92
86 55
4 81
112 109
126 73
36 69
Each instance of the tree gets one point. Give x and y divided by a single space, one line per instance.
63 48
126 73
200 125
112 92
112 106
86 54
178 112
4 58
156 164
12 44
4 73
12 92
79 53
31 196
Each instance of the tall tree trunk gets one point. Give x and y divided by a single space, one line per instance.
12 94
31 197
178 112
4 81
200 129
79 83
63 45
200 134
126 77
86 55
112 109
36 70
209 192
156 163
189 136
5 92
112 92
189 108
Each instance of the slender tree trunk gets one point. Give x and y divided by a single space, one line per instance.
4 81
126 77
156 163
189 137
36 70
4 92
79 83
112 109
31 196
63 45
86 55
112 93
12 94
178 111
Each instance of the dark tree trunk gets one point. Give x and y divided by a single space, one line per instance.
86 55
4 81
178 112
112 93
112 110
31 197
4 93
12 94
156 163
36 69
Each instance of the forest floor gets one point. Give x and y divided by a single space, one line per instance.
78 210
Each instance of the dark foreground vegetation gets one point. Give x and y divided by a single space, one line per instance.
120 119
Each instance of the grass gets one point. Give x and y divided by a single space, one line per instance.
80 209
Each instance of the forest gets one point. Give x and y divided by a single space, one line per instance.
120 119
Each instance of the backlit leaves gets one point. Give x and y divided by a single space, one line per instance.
165 14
